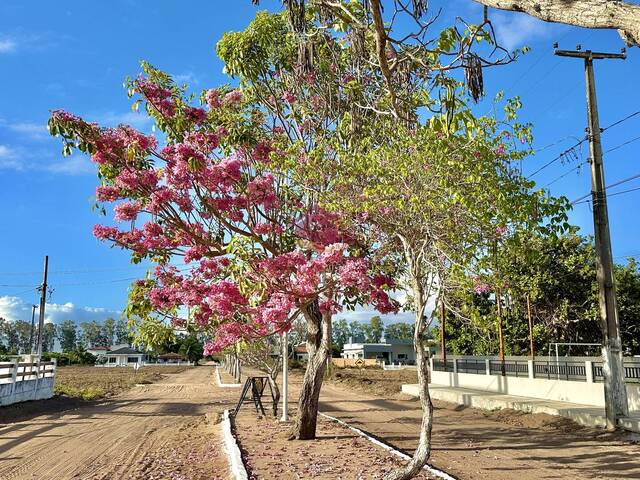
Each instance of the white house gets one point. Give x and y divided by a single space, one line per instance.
124 356
388 350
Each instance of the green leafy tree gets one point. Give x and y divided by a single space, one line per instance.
357 331
108 331
340 333
374 330
399 331
11 336
628 295
191 348
122 332
48 337
23 332
91 334
67 335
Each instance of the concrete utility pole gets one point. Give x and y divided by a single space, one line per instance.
503 370
614 388
43 300
443 334
33 326
285 377
531 349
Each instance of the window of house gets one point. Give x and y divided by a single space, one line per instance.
112 359
132 360
402 356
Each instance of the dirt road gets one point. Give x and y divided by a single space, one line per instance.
140 434
474 445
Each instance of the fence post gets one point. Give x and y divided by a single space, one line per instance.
455 365
588 370
431 363
487 364
530 368
14 377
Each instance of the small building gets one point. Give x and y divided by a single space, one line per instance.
300 352
124 356
387 350
171 357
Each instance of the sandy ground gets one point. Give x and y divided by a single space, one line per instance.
337 453
474 444
166 430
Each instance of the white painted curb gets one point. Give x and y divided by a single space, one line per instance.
225 385
233 452
429 468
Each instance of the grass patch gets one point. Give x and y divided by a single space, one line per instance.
92 383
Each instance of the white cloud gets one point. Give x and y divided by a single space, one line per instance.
33 131
9 159
73 165
15 308
189 78
516 30
5 152
7 46
137 120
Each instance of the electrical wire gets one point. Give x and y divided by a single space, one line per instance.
560 156
625 180
631 115
622 144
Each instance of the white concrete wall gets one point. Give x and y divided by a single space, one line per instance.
583 393
22 388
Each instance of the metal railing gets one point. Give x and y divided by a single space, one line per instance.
470 365
570 370
560 370
512 368
440 366
631 371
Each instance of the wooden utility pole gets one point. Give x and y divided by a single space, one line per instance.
33 326
614 388
531 350
443 334
43 300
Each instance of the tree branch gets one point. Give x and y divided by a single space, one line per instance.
623 16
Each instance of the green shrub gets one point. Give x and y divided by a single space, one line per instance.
90 393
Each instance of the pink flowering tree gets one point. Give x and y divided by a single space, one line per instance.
234 239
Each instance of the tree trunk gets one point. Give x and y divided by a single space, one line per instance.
318 348
276 391
623 16
422 452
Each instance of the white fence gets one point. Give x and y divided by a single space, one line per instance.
576 380
22 381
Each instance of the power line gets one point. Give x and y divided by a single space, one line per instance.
621 120
75 272
623 144
572 148
566 173
625 180
561 155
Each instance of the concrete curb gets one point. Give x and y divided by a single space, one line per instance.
233 452
225 385
386 446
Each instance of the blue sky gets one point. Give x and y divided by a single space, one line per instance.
76 55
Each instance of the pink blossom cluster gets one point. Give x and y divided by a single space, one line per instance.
158 96
479 286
